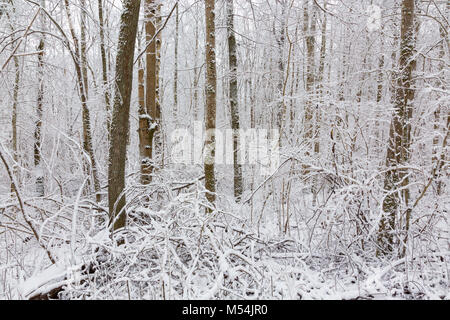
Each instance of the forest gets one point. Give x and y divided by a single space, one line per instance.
224 149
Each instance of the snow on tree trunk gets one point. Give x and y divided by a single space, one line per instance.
121 112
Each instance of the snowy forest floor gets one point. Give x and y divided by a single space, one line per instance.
172 249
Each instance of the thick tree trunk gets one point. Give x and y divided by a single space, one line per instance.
121 112
210 110
400 134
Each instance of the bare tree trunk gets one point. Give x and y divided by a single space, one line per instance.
252 103
321 71
87 136
310 128
121 112
14 118
158 137
175 70
379 97
315 127
38 126
39 113
151 86
437 114
81 71
281 40
233 96
145 131
197 73
210 110
16 88
309 29
83 47
380 69
104 64
400 134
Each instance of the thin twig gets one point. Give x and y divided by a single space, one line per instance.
22 209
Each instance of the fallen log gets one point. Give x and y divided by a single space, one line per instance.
52 281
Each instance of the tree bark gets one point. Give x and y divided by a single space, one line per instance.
175 70
321 71
281 40
158 136
151 82
400 134
121 112
145 131
210 111
437 114
233 97
104 64
309 29
38 126
14 119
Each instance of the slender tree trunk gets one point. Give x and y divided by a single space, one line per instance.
39 113
321 71
175 70
15 101
38 125
252 103
379 97
87 136
309 29
437 113
233 96
315 126
104 65
380 69
151 79
145 131
14 118
158 137
197 73
121 112
280 36
400 133
83 48
81 71
210 110
310 128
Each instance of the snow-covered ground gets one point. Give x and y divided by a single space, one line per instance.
172 249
